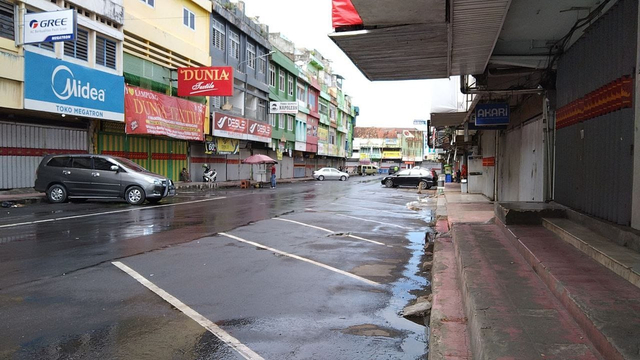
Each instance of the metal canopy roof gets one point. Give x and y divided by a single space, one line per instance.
440 120
415 40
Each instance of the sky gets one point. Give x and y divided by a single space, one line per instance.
382 103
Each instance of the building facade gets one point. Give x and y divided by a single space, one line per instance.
54 95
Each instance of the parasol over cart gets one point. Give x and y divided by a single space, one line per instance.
262 161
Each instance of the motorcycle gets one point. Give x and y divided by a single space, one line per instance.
209 175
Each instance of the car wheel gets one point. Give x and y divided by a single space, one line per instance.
423 185
134 195
343 178
320 177
388 183
57 194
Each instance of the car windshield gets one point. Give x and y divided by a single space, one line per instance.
131 165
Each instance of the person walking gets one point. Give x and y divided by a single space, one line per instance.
273 176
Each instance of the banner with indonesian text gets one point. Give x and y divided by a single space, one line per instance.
149 112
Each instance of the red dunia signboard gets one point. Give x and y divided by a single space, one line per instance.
149 112
205 81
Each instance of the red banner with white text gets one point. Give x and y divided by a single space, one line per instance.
149 112
205 81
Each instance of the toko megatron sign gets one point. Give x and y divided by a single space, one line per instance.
50 26
61 87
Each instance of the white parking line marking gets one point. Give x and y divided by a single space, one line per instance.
373 221
370 282
204 322
108 212
329 231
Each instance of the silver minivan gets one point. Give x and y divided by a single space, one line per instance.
99 177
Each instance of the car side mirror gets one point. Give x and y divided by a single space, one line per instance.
115 168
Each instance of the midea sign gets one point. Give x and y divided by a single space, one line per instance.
50 26
73 87
57 86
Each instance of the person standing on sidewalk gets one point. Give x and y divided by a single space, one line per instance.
273 176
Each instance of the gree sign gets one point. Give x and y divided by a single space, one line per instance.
60 87
205 81
492 114
50 26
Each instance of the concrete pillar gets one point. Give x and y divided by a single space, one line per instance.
635 200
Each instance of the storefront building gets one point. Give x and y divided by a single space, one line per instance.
239 122
53 95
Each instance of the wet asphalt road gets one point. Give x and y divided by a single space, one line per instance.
313 270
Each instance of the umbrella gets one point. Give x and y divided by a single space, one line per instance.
259 159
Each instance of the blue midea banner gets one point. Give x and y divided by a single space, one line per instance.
61 87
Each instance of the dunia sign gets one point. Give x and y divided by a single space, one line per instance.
50 26
205 81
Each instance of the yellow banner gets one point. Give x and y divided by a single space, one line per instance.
391 154
227 146
323 134
364 156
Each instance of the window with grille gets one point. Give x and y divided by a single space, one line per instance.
290 85
151 3
301 93
217 101
105 52
262 64
251 56
272 120
272 75
188 18
234 45
78 49
218 35
289 122
281 120
281 82
6 20
262 109
323 108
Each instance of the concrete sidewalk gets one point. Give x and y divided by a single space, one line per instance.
524 292
30 196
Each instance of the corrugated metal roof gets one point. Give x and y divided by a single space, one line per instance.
414 41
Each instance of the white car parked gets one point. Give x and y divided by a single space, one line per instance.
330 174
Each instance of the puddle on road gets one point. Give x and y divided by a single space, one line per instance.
404 291
370 330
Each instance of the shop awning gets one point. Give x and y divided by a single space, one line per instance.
420 39
440 120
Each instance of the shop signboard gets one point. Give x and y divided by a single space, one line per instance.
60 87
230 126
149 112
322 149
205 81
283 107
492 114
323 134
391 154
312 130
258 131
300 146
50 26
227 146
